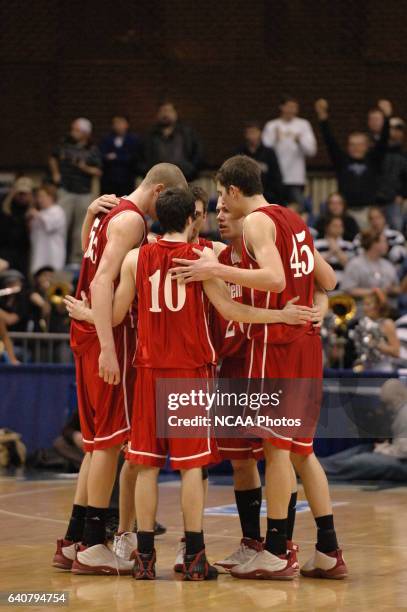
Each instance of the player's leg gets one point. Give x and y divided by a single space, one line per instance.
66 549
248 495
196 566
146 502
292 508
273 562
179 557
327 561
127 507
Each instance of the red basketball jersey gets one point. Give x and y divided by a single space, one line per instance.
172 317
97 242
229 337
203 242
295 245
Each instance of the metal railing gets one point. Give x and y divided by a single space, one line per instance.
38 347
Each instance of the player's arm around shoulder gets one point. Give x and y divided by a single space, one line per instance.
219 295
260 235
218 247
126 291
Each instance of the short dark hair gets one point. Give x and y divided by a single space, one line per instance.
174 206
368 238
287 98
252 123
121 116
200 195
242 172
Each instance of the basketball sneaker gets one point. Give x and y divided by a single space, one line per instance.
266 566
124 544
179 558
65 554
325 565
197 568
100 560
144 565
293 549
248 548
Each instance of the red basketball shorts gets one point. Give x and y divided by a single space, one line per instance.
145 448
301 359
104 410
237 448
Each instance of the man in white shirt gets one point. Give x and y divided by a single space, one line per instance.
293 140
47 231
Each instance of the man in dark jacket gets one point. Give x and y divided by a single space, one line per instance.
267 160
172 141
358 168
120 151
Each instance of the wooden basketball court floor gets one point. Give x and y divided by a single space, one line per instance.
371 526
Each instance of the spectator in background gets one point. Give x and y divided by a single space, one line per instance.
358 168
396 241
336 207
48 230
170 140
7 354
375 123
392 184
370 269
120 152
293 141
73 164
333 248
267 160
377 309
14 307
14 232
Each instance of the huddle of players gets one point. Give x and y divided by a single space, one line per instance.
173 340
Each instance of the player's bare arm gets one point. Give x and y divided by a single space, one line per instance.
101 205
218 247
259 232
126 291
320 308
324 274
123 297
123 234
219 295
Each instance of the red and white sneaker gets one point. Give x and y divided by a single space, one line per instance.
179 558
65 554
100 560
124 544
266 566
325 565
247 550
293 549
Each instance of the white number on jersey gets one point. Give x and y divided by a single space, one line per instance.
231 329
93 241
155 284
298 263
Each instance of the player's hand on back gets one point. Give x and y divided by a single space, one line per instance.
103 204
78 309
296 315
200 269
109 366
317 315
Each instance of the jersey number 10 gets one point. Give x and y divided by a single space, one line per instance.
301 265
168 299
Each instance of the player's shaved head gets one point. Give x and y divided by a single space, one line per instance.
168 175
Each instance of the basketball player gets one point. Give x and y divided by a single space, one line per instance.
230 343
173 342
278 262
103 360
201 211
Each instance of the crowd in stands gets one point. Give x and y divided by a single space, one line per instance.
360 229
